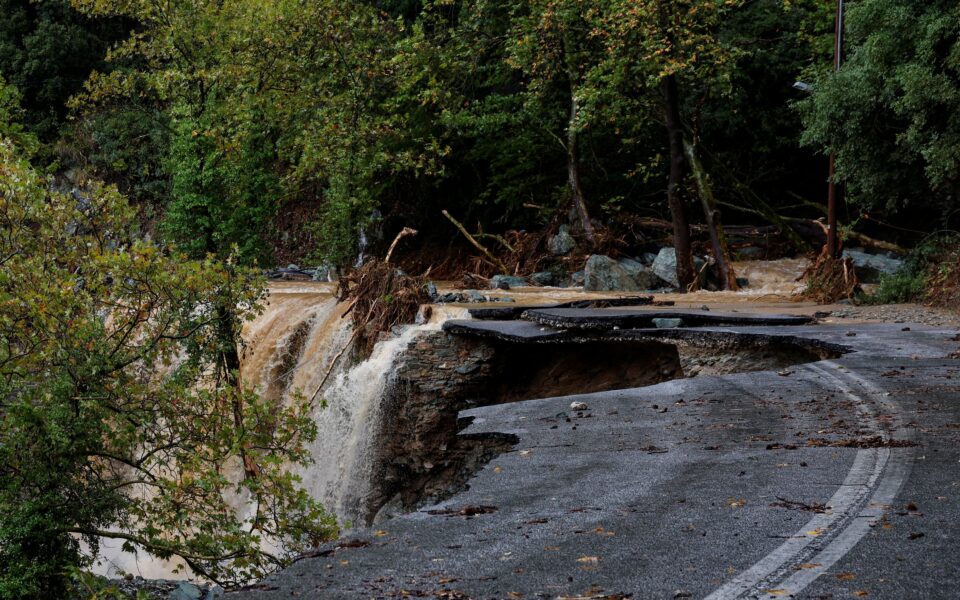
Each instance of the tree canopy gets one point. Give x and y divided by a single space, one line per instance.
155 157
118 417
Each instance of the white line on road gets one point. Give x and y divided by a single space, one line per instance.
870 487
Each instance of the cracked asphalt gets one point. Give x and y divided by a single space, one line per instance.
835 479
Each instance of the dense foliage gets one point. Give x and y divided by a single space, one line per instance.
120 415
892 113
201 139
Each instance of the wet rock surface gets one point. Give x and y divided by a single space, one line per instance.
665 266
562 243
604 274
505 282
870 267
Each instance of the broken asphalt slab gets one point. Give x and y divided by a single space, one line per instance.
695 488
622 318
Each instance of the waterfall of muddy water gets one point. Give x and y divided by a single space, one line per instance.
288 350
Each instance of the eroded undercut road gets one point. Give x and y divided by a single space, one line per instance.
838 478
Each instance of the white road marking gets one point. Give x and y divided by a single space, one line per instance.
870 487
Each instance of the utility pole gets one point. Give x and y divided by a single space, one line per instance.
835 189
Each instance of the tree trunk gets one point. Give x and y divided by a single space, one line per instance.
718 240
230 366
686 273
573 171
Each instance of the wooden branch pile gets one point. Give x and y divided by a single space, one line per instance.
829 280
381 297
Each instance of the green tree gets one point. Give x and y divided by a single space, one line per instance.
552 44
654 49
119 416
892 113
269 101
47 49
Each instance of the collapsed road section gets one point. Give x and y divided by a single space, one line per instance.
803 479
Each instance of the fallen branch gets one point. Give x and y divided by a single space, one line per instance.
498 238
406 231
476 244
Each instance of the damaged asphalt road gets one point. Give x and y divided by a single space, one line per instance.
835 479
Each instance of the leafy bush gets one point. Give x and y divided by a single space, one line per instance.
925 274
121 411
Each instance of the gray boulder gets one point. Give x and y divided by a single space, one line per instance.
665 266
323 273
543 278
870 267
505 282
563 243
578 278
642 275
603 274
215 593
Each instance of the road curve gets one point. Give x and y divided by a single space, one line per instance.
741 486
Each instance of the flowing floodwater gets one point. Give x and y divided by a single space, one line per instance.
301 336
297 343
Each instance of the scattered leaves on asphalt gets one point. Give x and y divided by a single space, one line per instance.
466 511
869 442
779 446
796 505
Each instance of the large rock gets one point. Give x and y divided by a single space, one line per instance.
577 279
505 282
665 266
870 267
563 243
544 278
603 274
642 275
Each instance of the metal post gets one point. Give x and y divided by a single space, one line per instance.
836 189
